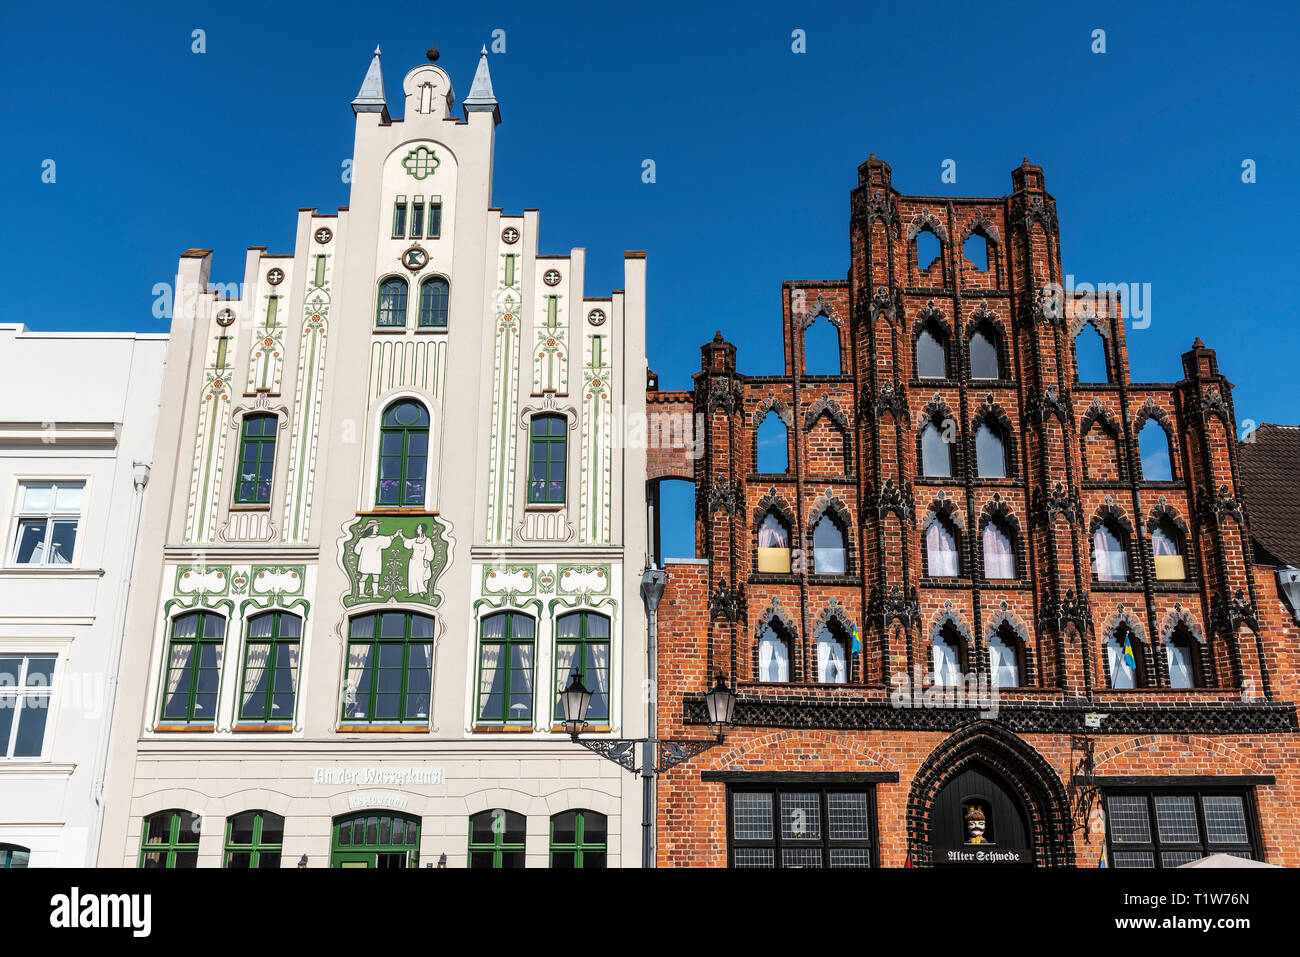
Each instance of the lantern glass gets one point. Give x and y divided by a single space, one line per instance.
721 703
574 701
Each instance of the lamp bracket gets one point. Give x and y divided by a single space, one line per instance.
672 753
622 751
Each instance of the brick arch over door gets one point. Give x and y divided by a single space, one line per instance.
1024 771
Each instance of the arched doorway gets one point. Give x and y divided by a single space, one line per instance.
985 797
375 839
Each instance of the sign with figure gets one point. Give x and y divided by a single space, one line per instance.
394 558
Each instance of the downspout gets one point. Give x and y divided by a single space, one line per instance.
140 481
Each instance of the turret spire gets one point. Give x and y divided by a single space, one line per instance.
370 98
481 98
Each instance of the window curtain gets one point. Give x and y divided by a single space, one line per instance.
940 551
773 657
999 556
1112 559
255 660
947 665
1121 675
357 691
831 667
1003 663
1181 673
771 534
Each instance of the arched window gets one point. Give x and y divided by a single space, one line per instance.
1180 654
14 856
193 674
505 670
984 361
270 668
990 451
170 839
256 459
932 352
403 455
936 452
1110 551
773 655
582 642
928 249
999 551
1124 655
773 446
832 656
828 547
821 348
941 557
1090 356
1154 453
389 668
496 839
548 460
391 312
1004 658
1166 547
976 251
254 839
946 658
773 545
376 839
434 292
578 839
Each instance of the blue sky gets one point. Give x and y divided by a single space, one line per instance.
756 147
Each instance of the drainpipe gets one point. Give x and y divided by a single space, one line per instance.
653 581
127 567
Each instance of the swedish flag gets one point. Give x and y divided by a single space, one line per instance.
857 641
1129 660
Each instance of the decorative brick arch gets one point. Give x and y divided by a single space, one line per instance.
989 412
1151 410
831 504
821 307
950 616
1180 617
1122 618
825 407
772 403
1022 768
777 616
1245 763
925 220
823 742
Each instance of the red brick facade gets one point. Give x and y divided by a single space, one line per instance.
1072 466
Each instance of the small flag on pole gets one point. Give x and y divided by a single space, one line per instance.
1104 862
1129 660
857 641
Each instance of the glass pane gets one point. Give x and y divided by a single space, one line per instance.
157 828
828 548
272 829
832 663
1225 819
848 813
772 533
31 717
1003 661
941 551
1176 819
946 662
38 498
564 860
930 356
751 816
990 456
480 828
30 549
773 656
593 828
1134 859
63 541
999 556
801 857
564 828
1181 672
68 498
936 456
755 857
1128 818
515 826
983 357
1123 671
850 857
1179 858
40 671
801 817
1111 557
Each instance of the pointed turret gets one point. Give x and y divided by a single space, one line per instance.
481 99
370 98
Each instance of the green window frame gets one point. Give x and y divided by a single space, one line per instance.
170 839
496 839
254 839
417 218
434 293
548 459
14 856
389 673
192 672
399 218
374 839
256 459
507 650
582 640
403 455
579 839
435 219
272 650
390 311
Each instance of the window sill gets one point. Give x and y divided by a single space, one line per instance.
544 507
34 768
411 512
251 508
50 571
431 330
389 330
383 728
503 729
184 728
257 728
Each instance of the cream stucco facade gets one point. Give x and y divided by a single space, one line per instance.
400 425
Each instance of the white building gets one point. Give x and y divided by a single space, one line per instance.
389 517
77 419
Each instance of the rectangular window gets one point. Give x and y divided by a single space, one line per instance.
256 460
49 516
802 825
193 668
26 685
254 839
389 669
1162 827
582 642
399 218
505 669
417 218
548 459
270 668
435 219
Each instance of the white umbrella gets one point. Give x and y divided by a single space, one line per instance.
1225 860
